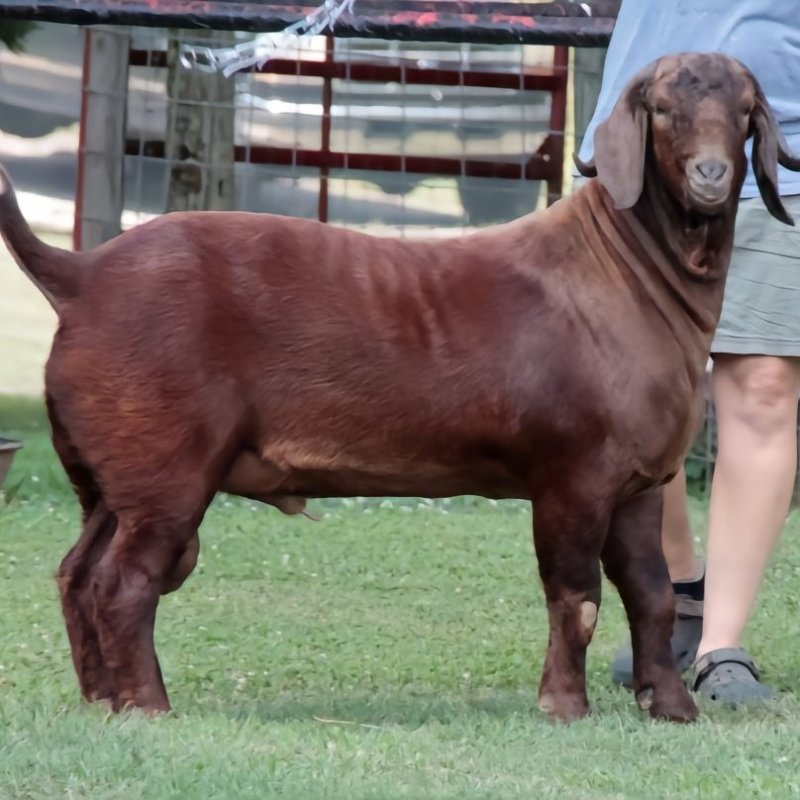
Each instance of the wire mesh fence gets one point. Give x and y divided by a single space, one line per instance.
365 133
380 135
702 456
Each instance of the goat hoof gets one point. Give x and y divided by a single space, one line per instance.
152 706
669 704
645 698
564 707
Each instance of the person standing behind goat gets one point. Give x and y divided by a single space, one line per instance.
756 350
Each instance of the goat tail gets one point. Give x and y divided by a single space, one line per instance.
55 272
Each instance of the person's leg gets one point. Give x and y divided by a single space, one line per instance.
756 401
676 533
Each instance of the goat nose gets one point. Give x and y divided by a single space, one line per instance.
712 170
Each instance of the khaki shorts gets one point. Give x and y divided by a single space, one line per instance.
761 309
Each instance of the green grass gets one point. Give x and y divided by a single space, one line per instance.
383 652
27 324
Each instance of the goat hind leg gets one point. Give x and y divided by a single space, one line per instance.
138 567
94 678
183 567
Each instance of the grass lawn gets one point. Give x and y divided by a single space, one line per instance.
387 651
27 324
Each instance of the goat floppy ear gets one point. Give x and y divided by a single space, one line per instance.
769 149
620 142
586 168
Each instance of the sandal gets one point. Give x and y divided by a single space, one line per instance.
685 639
686 634
729 676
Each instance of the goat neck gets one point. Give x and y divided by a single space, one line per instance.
700 246
673 252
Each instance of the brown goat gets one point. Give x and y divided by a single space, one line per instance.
557 358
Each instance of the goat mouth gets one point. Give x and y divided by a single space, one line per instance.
711 207
704 209
707 203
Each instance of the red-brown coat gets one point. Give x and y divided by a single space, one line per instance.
556 358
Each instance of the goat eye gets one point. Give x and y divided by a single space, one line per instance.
661 111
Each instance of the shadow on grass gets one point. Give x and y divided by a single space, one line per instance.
413 710
377 709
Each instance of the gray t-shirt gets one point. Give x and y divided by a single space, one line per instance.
762 34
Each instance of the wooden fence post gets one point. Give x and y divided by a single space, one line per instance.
101 150
200 131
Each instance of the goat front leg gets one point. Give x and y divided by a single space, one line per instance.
634 561
568 534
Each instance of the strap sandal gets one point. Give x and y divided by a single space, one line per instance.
729 676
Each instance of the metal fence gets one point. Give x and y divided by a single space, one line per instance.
364 133
702 456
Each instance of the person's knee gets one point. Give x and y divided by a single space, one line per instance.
761 392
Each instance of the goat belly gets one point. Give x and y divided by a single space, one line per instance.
285 482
